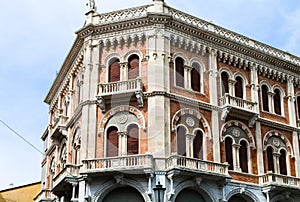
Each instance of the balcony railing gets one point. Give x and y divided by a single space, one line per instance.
119 163
237 102
70 170
44 195
197 165
120 87
279 180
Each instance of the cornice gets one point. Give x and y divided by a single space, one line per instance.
278 125
57 83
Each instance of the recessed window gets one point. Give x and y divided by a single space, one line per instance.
112 146
114 70
196 77
225 84
133 67
179 69
265 97
277 102
238 87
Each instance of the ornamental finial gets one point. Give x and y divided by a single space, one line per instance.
91 5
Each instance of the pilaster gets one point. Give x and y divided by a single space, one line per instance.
259 148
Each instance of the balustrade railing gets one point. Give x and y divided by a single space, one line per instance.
277 179
119 163
237 102
120 87
197 164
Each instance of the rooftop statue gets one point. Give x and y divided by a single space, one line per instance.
91 5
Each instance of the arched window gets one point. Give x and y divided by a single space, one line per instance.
196 76
179 68
265 97
277 102
228 151
114 70
133 66
76 147
63 156
181 141
238 87
270 159
225 84
198 145
78 87
282 162
243 155
132 139
112 146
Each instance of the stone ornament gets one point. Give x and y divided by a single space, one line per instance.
190 122
122 118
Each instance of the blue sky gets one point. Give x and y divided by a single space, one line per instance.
37 35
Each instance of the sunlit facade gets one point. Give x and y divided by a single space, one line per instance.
151 95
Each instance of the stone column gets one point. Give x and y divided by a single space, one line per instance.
236 157
254 87
259 149
271 102
187 77
214 100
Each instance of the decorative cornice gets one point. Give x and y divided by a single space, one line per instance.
277 125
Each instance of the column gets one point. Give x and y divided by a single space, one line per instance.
254 86
122 143
214 100
236 157
271 102
259 149
276 162
231 83
187 77
124 71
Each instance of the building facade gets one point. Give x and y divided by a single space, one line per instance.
24 193
153 100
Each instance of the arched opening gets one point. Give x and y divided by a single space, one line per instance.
270 159
238 86
181 141
225 84
243 155
124 194
240 198
191 195
198 145
132 139
133 66
76 146
114 71
179 69
265 97
228 151
282 162
277 102
196 76
112 146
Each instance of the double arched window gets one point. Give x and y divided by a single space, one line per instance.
123 70
272 99
276 153
122 135
76 144
233 85
189 137
237 149
188 76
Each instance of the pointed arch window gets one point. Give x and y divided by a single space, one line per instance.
243 155
132 139
228 151
133 66
238 87
196 77
112 146
277 101
181 141
225 83
198 145
265 97
114 70
63 156
179 70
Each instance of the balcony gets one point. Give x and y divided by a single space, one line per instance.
133 164
69 170
191 164
120 90
44 195
58 127
273 179
238 107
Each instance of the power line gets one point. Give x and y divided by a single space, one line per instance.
20 136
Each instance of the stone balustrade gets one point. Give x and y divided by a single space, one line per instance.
279 180
227 100
196 164
119 163
132 85
70 170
